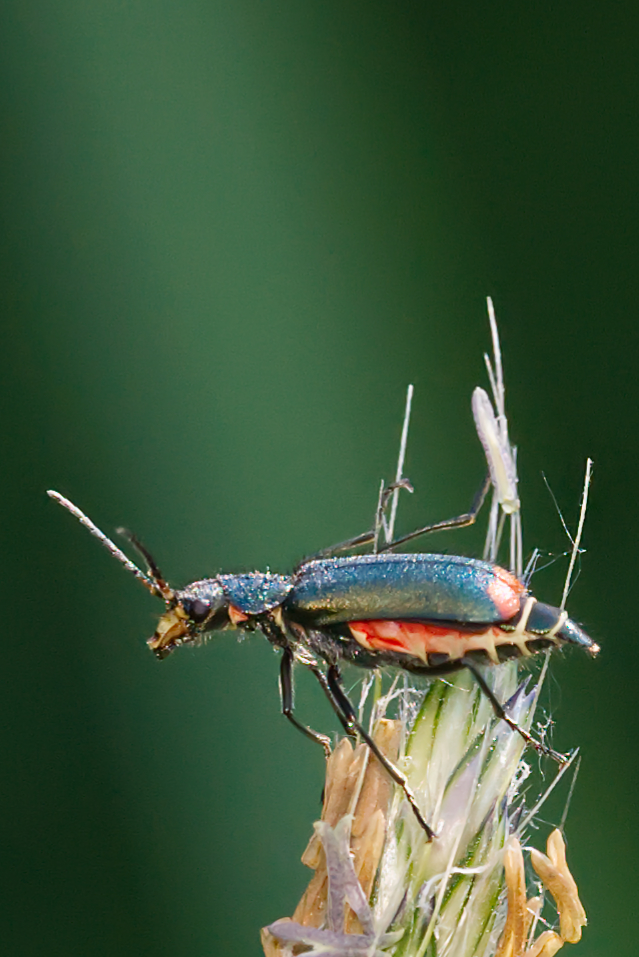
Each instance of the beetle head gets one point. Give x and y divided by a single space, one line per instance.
199 608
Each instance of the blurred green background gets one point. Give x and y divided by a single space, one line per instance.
231 234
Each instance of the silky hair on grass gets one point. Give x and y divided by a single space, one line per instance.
380 887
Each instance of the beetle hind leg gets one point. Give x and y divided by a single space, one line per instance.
346 712
498 708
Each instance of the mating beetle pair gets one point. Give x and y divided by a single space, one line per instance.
428 614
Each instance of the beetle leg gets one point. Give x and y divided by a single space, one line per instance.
343 707
460 521
321 677
500 712
370 537
366 538
286 690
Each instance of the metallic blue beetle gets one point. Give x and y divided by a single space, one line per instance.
428 614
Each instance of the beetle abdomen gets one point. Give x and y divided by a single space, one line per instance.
542 619
537 626
430 642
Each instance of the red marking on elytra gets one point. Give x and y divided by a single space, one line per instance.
506 590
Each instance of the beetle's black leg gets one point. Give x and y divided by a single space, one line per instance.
366 538
321 677
385 498
340 702
286 690
460 521
499 711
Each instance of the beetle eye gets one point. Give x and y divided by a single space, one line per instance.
197 610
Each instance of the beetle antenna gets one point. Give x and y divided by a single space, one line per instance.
580 528
158 578
152 586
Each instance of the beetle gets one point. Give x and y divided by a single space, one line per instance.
428 614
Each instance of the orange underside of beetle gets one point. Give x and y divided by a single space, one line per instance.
420 639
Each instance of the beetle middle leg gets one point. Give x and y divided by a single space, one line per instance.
367 538
460 521
498 708
332 685
286 689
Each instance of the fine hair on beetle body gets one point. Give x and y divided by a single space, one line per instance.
427 614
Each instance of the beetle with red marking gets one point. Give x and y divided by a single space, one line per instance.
427 614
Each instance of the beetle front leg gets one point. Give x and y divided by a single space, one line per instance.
345 709
498 708
286 690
